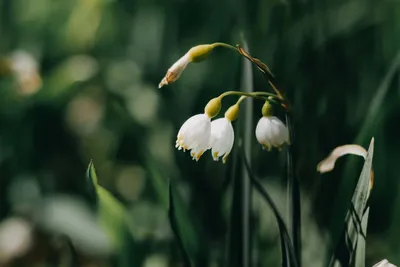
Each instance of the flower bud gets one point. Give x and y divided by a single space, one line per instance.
267 109
200 52
232 113
195 54
175 71
213 107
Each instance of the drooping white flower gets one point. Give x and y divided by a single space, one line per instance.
222 137
195 135
272 132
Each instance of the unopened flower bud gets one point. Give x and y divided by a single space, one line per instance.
195 54
232 113
200 52
175 71
213 107
267 109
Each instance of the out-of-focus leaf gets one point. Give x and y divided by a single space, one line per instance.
112 217
175 227
287 249
356 220
111 212
64 215
183 222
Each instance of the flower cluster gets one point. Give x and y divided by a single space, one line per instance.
200 132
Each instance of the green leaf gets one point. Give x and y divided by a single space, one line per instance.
356 220
360 250
184 224
176 229
287 249
112 217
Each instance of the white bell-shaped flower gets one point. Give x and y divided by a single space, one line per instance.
222 134
222 137
272 132
194 135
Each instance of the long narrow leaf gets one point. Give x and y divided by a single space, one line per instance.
284 234
293 194
175 227
239 228
355 224
112 218
184 222
360 250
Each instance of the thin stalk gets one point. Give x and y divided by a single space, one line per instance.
287 249
220 44
247 86
293 196
252 94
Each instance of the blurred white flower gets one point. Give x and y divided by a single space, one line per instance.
272 132
384 263
195 135
15 238
222 137
26 70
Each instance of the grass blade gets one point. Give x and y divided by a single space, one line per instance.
239 231
355 220
293 195
112 218
175 227
287 248
360 250
184 224
247 86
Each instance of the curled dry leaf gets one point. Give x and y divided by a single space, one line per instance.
328 163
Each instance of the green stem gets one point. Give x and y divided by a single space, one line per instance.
225 45
253 94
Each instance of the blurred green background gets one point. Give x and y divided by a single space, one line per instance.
78 81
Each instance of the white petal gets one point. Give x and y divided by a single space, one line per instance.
271 131
175 71
195 135
222 138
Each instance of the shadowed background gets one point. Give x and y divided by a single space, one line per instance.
78 82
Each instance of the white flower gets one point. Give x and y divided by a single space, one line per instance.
194 135
384 263
175 71
271 131
222 136
195 54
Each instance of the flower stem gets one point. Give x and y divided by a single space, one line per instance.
243 97
259 95
225 45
